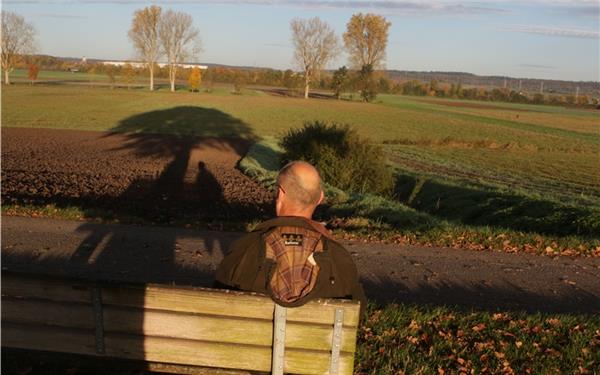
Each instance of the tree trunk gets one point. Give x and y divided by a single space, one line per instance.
151 77
6 78
172 77
306 84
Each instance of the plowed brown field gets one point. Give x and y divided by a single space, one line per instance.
154 176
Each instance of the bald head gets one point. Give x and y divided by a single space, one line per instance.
301 185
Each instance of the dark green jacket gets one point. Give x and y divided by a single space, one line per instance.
245 267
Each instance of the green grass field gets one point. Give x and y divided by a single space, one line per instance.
52 75
455 160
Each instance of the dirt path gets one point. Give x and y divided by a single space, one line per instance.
389 272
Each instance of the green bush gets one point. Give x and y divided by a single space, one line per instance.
344 159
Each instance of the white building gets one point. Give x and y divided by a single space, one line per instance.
137 64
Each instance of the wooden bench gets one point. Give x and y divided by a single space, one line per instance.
176 329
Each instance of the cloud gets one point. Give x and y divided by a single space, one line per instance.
537 66
554 31
386 6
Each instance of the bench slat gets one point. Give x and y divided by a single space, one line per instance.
200 301
49 313
220 355
54 339
230 303
46 288
224 329
182 299
176 351
191 370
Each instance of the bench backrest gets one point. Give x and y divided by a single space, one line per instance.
178 325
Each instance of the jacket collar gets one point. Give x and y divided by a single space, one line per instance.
294 221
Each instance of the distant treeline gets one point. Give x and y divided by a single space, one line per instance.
547 86
386 82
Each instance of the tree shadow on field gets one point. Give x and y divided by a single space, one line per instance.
187 185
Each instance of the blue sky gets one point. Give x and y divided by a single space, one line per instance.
550 39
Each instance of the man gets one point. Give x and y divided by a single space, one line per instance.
292 258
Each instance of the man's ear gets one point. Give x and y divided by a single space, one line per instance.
321 198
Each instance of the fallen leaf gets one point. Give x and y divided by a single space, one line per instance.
414 325
519 344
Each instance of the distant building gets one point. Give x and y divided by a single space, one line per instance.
143 65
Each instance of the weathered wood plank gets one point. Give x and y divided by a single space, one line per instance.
47 288
191 370
227 303
196 353
305 362
54 339
183 299
222 329
188 326
322 311
192 301
49 313
220 355
303 336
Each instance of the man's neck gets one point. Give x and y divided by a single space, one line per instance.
305 215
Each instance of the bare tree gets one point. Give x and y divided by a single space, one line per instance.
366 39
315 44
144 36
179 39
18 38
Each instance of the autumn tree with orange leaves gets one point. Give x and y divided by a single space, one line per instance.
32 73
366 39
194 79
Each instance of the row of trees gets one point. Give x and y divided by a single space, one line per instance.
155 34
168 34
365 40
444 90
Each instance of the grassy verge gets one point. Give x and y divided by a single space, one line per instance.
485 204
376 218
53 211
402 339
